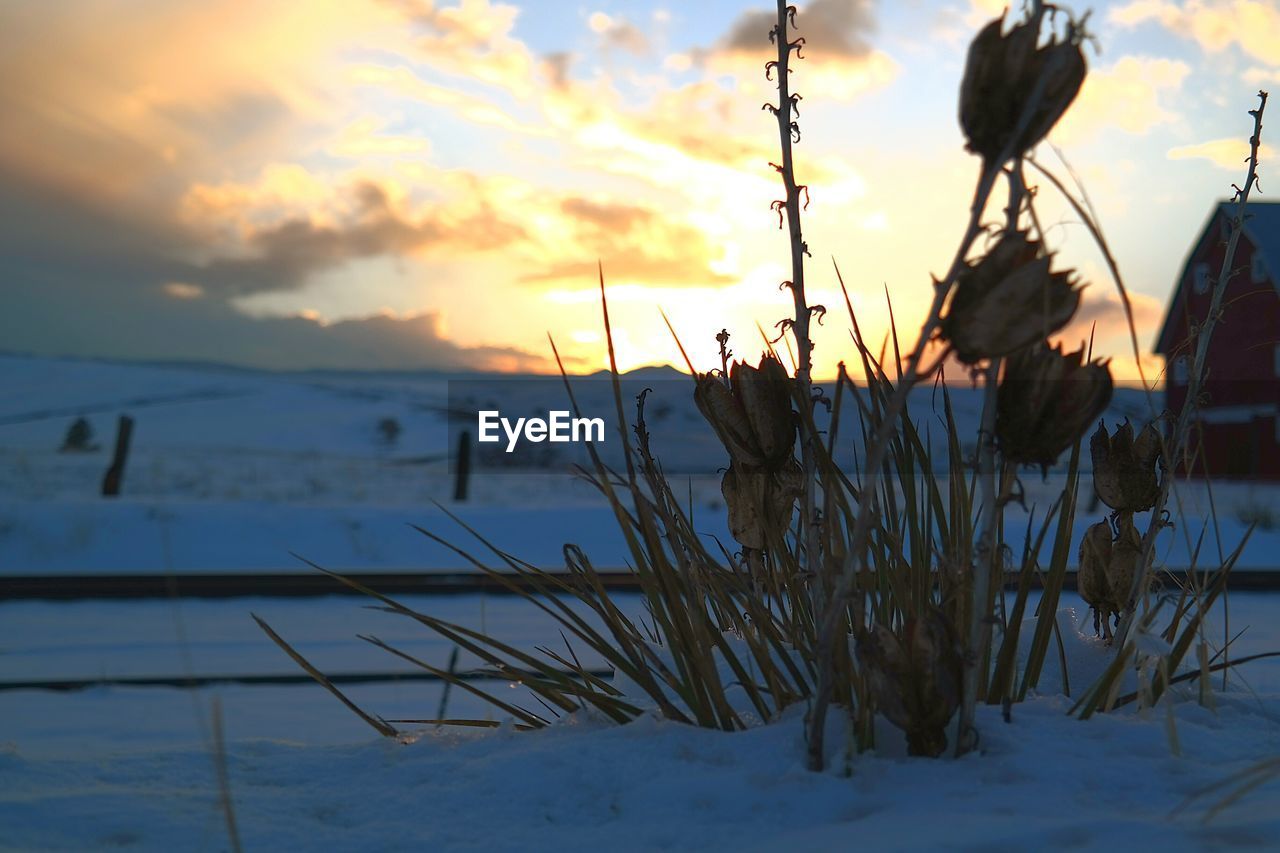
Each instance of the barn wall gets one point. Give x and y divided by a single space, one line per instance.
1242 361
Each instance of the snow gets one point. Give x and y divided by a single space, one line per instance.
232 470
293 463
134 766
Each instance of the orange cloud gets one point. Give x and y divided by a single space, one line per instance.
111 101
1101 317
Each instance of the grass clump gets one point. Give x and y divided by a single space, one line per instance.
877 587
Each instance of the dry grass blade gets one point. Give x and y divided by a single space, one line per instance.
1200 673
379 725
224 777
1240 784
528 717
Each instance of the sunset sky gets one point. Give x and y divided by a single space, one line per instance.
409 184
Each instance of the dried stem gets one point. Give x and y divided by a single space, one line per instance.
1175 448
879 444
985 563
836 606
787 129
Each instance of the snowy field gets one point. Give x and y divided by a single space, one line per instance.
232 470
134 767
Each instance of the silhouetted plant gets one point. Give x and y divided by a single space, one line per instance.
876 589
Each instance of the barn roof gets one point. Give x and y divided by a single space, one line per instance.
1261 226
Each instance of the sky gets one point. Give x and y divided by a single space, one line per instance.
407 184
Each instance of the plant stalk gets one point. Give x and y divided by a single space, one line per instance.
810 535
1175 449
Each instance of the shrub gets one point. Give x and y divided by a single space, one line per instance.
389 431
79 437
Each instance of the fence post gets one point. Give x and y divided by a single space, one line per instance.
462 466
111 482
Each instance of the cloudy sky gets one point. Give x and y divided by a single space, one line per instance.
402 183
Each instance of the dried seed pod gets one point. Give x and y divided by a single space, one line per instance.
728 418
1091 574
1124 469
1125 551
765 395
760 502
915 679
1008 300
752 415
1002 81
1045 402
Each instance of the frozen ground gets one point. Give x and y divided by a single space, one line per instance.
232 470
134 768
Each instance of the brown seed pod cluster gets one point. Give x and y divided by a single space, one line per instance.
1046 400
1124 467
1125 478
916 678
1008 300
1106 569
753 419
1007 303
1014 90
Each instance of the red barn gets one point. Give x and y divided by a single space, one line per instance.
1239 424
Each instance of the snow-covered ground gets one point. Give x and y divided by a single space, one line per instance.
134 767
232 470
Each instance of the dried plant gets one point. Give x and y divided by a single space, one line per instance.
1126 485
1124 468
875 588
1013 90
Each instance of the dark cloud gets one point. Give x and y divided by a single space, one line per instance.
51 315
107 129
832 29
81 279
621 34
284 256
611 217
556 67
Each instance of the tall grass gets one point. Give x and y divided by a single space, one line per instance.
862 580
